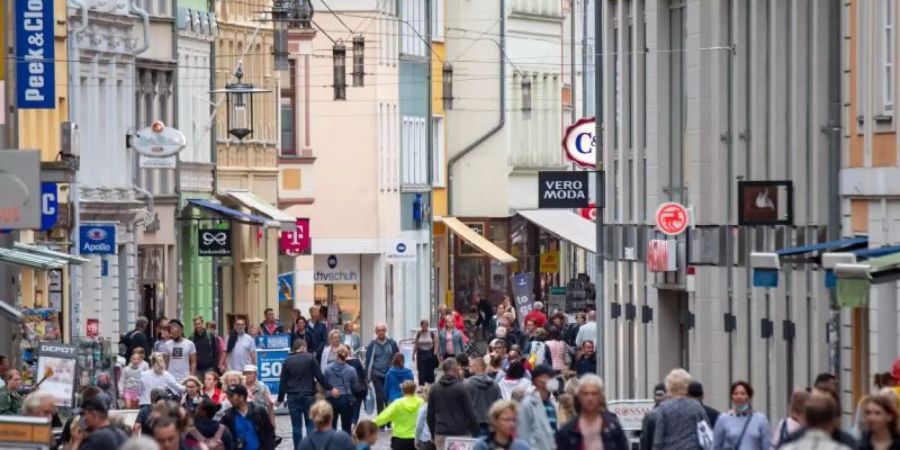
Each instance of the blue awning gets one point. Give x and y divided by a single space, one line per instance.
868 253
828 246
227 212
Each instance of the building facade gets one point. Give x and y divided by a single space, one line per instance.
698 96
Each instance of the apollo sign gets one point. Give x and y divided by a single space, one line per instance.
97 239
580 143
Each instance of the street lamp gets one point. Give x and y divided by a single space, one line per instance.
339 53
239 105
359 55
447 85
526 96
288 14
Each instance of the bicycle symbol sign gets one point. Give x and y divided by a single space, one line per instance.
672 218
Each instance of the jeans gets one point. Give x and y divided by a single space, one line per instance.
378 384
357 407
298 407
342 407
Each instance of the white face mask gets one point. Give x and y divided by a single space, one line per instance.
553 385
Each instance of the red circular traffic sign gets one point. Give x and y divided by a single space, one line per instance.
672 218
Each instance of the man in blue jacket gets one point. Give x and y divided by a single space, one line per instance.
379 355
319 331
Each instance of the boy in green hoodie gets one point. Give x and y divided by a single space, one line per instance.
402 414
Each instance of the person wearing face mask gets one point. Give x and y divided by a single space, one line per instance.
742 428
536 422
241 348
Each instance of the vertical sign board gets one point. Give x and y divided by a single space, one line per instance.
35 67
20 189
49 205
58 363
522 290
563 189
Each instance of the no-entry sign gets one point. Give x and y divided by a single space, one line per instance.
672 218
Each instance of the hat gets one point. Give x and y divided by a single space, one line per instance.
660 390
176 322
237 389
543 369
538 305
94 404
249 368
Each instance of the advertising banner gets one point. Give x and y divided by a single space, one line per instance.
269 363
286 287
631 412
274 342
57 367
522 289
35 67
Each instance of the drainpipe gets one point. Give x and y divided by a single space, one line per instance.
134 8
74 70
500 124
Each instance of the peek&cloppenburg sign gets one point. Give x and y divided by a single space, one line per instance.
35 71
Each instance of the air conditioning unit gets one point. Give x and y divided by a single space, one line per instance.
70 140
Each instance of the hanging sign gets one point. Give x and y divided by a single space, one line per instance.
563 189
213 242
297 241
522 284
158 141
400 250
96 239
580 143
661 255
35 66
49 205
672 218
550 262
765 203
20 189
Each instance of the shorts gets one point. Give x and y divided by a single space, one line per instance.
131 394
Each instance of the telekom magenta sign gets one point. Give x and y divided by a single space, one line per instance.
296 242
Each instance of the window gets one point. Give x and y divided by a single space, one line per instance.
437 146
413 28
887 92
156 8
289 111
414 154
154 96
437 20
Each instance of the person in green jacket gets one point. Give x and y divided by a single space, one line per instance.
10 398
402 414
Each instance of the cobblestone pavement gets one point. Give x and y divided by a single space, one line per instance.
284 430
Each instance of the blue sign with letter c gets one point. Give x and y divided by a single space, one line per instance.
49 205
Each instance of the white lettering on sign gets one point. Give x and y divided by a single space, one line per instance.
564 190
34 24
98 247
46 200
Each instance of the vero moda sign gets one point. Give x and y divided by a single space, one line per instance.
35 68
96 239
563 189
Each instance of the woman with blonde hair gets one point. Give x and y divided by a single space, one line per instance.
882 423
677 418
193 394
503 428
324 435
342 377
329 353
157 378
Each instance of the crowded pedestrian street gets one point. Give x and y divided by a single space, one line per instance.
449 225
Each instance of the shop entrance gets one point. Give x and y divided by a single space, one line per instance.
344 297
675 322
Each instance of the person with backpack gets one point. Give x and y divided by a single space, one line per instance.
206 346
209 432
794 421
537 350
681 422
742 428
136 338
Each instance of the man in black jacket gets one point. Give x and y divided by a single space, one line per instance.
138 338
243 413
450 412
695 391
207 347
299 374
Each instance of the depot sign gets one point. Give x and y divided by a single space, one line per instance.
563 189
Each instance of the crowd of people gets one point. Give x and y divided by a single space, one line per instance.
535 388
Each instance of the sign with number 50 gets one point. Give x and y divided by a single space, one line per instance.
269 363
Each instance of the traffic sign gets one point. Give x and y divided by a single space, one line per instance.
672 218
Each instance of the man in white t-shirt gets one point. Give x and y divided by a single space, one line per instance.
181 351
241 348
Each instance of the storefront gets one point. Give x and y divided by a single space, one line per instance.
337 285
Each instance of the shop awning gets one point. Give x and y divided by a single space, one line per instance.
565 225
31 260
829 246
10 312
476 240
248 199
44 251
227 212
855 280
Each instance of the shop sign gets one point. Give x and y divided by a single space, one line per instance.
158 141
563 189
672 218
96 239
522 290
400 250
213 242
550 262
286 287
49 205
150 162
35 66
58 365
297 241
269 364
20 190
580 143
631 412
336 269
765 203
273 342
661 255
589 213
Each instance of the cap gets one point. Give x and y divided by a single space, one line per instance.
659 390
176 322
538 305
543 369
94 404
237 389
249 368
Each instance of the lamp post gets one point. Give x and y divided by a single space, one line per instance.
287 14
339 53
359 61
447 85
239 105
